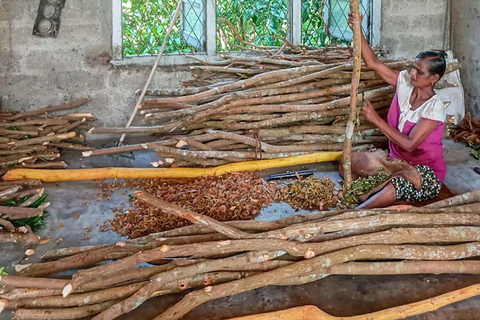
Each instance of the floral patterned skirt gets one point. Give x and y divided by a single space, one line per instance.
405 190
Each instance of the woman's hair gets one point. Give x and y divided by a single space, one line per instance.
436 61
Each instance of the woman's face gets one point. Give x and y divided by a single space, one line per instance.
420 75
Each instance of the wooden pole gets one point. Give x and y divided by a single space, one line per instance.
152 72
400 312
357 65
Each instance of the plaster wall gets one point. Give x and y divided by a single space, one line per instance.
411 26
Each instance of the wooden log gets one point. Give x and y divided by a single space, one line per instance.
35 121
462 199
7 225
310 250
405 267
29 293
306 231
45 165
70 251
23 150
11 190
78 300
42 140
161 279
27 238
15 213
134 173
62 313
67 106
31 282
199 297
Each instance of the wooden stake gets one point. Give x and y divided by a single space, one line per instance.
152 72
357 65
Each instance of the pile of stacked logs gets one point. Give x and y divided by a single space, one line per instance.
217 259
251 107
34 139
19 201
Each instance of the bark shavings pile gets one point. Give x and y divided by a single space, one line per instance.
311 193
236 196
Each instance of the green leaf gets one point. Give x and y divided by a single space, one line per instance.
37 203
9 202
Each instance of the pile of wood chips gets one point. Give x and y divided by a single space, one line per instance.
237 196
311 194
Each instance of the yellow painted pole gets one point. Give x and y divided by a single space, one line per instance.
135 173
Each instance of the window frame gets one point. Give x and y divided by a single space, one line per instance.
210 54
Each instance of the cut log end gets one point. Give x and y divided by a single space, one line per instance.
21 267
3 305
67 290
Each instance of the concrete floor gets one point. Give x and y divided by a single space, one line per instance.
337 295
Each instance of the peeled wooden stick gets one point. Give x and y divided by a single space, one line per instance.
400 312
357 66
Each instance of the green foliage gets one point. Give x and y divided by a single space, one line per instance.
476 148
2 272
362 186
257 22
145 24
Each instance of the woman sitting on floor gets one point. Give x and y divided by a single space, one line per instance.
416 121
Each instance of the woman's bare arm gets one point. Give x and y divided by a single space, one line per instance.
370 58
408 143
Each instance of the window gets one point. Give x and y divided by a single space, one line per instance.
206 27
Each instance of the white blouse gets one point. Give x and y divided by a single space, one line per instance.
433 108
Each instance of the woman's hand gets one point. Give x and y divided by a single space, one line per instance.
368 112
352 19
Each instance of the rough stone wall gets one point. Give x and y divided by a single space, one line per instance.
466 46
36 71
412 26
